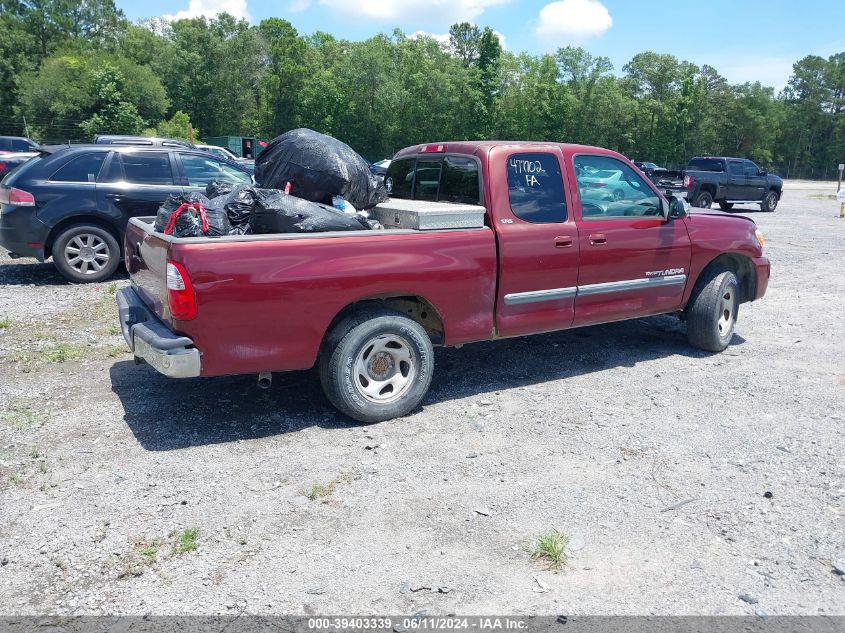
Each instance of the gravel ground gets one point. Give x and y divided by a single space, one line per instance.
687 483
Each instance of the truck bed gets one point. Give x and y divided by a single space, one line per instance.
266 301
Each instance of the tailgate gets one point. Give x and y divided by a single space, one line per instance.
146 261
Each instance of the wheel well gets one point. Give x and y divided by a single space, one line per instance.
415 307
742 267
708 188
81 219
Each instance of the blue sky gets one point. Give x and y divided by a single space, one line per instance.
746 40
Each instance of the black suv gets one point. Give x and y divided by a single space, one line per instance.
73 202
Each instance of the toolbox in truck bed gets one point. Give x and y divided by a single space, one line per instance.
423 215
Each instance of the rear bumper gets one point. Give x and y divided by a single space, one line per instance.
762 268
153 342
21 232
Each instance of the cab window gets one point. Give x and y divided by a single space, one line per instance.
434 178
609 189
535 188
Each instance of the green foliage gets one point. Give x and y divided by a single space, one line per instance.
74 69
113 114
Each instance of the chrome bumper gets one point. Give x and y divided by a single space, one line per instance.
152 342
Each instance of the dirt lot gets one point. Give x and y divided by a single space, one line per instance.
684 480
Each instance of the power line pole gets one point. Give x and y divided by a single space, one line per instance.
26 128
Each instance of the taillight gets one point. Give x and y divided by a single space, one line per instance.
10 195
688 182
180 293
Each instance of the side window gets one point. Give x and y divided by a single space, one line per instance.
735 168
399 180
751 169
459 181
610 189
535 188
200 170
81 169
147 168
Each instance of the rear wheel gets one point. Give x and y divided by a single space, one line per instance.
726 206
712 310
86 253
377 365
703 200
770 201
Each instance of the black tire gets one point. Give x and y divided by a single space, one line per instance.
713 309
351 355
703 200
95 247
770 201
726 206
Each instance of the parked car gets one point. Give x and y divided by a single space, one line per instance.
367 306
72 203
17 144
729 181
609 183
220 152
10 160
248 164
152 141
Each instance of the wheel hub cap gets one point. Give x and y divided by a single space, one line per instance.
385 369
87 254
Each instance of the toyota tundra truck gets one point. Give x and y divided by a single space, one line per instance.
368 306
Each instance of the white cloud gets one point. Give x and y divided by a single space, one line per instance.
420 11
298 6
569 21
443 38
210 8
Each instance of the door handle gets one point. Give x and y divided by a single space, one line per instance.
597 239
117 197
563 241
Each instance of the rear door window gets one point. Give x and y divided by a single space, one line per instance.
459 181
399 180
427 179
535 188
147 168
81 169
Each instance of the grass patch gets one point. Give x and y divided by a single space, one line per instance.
186 541
21 417
62 352
5 323
114 351
16 480
143 554
112 288
35 452
550 548
322 491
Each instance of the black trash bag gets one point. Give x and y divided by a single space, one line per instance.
318 167
278 212
236 204
216 188
189 222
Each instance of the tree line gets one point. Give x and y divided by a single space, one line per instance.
71 69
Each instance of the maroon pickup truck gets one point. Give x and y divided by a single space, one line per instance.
556 251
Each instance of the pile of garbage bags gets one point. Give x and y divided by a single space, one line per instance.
308 182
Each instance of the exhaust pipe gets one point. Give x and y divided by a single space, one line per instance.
265 379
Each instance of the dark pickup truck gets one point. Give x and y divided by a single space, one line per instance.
554 252
729 181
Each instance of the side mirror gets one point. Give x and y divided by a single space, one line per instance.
763 172
678 208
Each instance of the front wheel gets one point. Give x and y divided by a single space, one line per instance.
712 310
377 365
86 253
770 202
703 200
